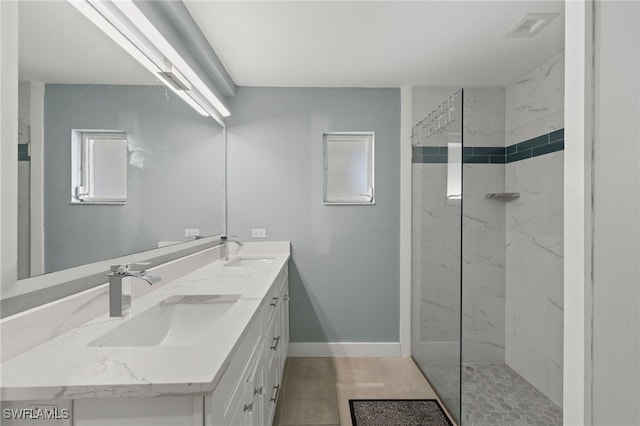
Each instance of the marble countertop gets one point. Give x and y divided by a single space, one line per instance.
66 367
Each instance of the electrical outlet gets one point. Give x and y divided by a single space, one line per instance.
191 232
259 233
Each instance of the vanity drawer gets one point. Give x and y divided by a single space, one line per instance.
275 297
272 342
272 388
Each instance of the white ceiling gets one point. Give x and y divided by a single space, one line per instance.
57 44
310 43
376 43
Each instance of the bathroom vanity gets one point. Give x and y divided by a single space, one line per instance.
208 348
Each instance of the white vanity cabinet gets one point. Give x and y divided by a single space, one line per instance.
249 389
229 403
275 345
246 394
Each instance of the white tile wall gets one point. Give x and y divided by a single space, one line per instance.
435 256
484 116
534 232
513 251
535 102
436 242
435 249
483 251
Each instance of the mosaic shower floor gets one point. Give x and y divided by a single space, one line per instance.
493 395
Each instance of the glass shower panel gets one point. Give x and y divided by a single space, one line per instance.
436 244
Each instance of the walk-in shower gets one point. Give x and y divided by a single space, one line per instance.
487 254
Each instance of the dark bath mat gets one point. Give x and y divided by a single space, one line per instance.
397 412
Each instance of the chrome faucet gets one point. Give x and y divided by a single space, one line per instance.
226 242
119 295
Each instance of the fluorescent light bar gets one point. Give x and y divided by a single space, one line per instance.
135 15
154 58
184 96
101 22
175 78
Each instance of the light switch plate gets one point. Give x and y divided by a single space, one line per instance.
259 233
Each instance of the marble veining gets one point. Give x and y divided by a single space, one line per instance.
484 116
65 367
511 271
53 319
534 233
535 102
483 230
438 265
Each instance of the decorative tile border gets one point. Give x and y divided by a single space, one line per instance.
23 152
483 154
430 154
544 144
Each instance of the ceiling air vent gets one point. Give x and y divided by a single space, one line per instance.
531 24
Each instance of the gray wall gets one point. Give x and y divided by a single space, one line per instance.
174 176
616 209
344 276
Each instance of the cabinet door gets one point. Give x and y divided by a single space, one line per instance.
239 417
257 393
272 391
271 370
222 407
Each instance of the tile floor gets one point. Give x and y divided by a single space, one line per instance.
316 391
494 394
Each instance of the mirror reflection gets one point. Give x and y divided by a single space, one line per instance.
74 79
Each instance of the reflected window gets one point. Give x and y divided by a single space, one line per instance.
99 163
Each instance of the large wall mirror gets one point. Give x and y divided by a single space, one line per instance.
72 77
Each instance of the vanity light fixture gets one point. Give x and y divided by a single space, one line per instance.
173 76
125 24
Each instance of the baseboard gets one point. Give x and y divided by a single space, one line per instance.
344 349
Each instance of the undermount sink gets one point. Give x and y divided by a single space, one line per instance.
176 321
249 261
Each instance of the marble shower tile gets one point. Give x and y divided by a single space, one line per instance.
483 327
534 271
535 369
514 355
535 102
484 116
554 382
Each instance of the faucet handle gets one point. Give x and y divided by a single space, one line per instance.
120 269
126 267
